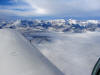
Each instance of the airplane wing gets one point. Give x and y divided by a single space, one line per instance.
18 57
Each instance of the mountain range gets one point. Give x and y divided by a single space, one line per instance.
57 25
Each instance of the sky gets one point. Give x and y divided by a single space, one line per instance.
57 8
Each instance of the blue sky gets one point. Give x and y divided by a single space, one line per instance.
57 8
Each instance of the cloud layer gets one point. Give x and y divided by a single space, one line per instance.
73 54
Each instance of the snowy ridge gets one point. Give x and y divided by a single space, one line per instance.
18 57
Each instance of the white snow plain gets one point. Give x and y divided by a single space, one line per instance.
18 57
72 53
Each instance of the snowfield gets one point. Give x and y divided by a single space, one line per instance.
18 57
72 53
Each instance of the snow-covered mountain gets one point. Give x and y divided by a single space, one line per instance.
58 25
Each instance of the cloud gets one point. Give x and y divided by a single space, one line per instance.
66 7
69 51
76 8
